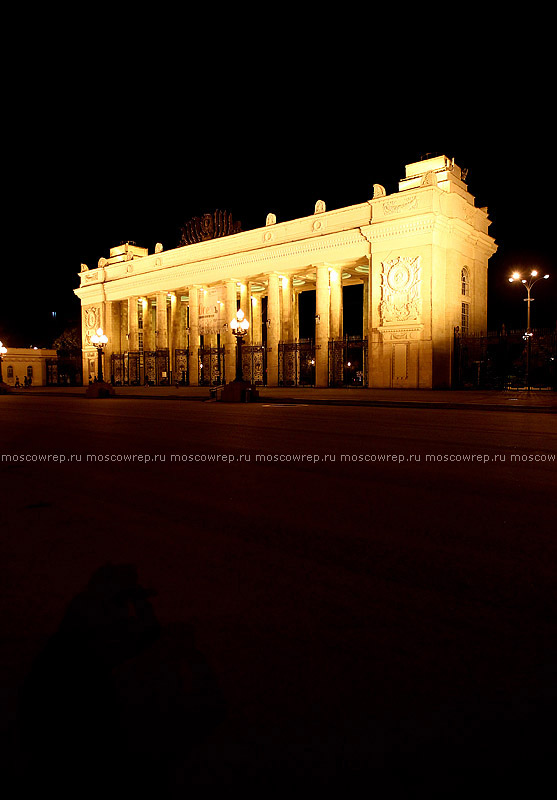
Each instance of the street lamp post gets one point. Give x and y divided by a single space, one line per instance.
99 339
239 327
528 283
3 351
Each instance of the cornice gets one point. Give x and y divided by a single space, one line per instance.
380 231
267 260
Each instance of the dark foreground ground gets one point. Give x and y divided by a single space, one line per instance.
320 623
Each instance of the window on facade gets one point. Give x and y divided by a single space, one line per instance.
10 372
140 341
139 314
29 372
465 318
465 281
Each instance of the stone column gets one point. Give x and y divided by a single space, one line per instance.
133 324
373 342
244 300
176 335
255 322
287 309
161 330
322 306
111 327
335 277
148 332
193 359
123 326
273 330
295 315
230 306
366 308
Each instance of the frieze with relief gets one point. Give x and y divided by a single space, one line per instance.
401 291
400 206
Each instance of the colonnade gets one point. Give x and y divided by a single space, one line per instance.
170 320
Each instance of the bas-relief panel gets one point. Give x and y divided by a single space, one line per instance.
401 301
401 312
91 321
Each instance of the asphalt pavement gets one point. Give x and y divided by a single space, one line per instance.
543 401
335 595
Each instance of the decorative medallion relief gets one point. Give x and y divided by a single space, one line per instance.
91 321
401 291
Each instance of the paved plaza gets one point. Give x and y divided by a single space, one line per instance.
341 592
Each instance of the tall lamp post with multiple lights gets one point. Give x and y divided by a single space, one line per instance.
528 283
239 327
99 339
3 352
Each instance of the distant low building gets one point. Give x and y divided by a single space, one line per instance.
20 365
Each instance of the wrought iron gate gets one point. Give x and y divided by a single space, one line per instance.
132 368
181 367
211 366
348 361
137 367
254 363
156 364
297 363
117 369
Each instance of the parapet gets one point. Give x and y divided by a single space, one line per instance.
437 170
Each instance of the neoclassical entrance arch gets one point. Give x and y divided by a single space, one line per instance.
407 251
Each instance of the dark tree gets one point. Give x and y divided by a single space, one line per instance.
209 226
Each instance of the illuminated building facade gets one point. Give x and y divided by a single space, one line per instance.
419 257
27 365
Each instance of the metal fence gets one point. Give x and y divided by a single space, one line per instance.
138 367
506 360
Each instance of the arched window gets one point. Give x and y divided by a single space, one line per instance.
10 372
465 281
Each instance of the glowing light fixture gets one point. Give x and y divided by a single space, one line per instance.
99 339
239 327
528 283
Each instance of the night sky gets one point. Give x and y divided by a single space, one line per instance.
110 145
